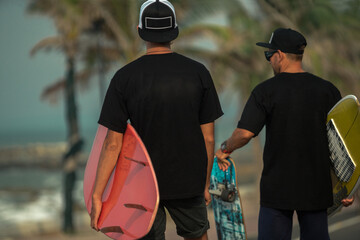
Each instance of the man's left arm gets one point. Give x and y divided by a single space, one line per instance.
208 132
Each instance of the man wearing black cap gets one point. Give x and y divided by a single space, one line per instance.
172 103
293 105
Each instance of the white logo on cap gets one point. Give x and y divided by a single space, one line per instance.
272 35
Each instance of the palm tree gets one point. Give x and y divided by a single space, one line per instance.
69 22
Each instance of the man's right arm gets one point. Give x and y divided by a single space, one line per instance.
108 158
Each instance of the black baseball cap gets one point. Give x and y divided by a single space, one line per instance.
157 21
286 40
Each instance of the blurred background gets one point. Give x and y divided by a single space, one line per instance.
57 59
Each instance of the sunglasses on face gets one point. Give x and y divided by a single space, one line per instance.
269 54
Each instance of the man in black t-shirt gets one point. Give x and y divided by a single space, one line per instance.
293 105
172 103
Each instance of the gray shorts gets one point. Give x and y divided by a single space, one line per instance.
189 215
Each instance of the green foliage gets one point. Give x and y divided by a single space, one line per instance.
331 28
318 16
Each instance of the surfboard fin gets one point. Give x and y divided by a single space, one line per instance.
136 161
138 206
116 229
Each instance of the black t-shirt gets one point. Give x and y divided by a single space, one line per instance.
293 107
166 97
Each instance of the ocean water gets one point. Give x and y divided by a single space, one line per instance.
33 196
23 138
16 138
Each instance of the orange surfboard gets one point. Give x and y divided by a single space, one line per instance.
131 197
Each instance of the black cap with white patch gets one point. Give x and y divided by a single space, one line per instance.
157 21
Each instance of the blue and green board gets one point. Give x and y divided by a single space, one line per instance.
226 202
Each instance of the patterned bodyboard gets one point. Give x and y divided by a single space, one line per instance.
226 203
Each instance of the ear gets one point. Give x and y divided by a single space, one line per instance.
282 55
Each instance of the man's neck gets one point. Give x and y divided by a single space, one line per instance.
293 67
158 48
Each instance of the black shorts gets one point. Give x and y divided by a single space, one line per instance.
189 215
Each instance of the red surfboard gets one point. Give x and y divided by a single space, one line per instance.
131 197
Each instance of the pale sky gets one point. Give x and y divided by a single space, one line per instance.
22 78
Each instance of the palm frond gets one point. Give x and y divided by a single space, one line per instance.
53 92
49 43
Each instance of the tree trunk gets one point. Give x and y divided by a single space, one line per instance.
74 146
101 69
71 111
